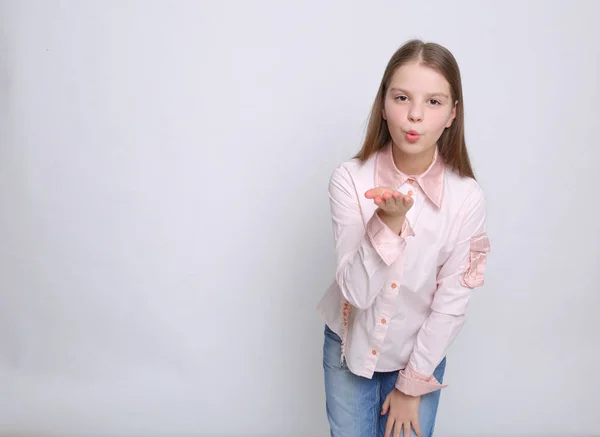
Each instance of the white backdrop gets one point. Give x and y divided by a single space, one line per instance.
164 220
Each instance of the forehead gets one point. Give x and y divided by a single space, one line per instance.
418 78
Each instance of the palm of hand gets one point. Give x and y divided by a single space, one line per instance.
390 201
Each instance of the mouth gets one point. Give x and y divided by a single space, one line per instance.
412 136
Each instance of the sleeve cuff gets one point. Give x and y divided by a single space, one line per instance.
413 383
387 244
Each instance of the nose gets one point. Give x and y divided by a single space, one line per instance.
415 114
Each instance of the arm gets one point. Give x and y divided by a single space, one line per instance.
461 273
363 253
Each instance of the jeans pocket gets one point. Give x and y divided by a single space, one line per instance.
332 350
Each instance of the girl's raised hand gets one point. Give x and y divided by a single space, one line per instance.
391 202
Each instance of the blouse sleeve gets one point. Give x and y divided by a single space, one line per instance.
463 271
364 252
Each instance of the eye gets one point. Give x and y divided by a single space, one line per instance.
435 102
401 98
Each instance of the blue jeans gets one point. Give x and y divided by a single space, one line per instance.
354 403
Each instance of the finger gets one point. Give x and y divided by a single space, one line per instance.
389 426
379 201
398 429
408 201
416 427
373 193
406 429
396 194
377 191
386 405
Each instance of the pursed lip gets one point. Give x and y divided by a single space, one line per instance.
412 132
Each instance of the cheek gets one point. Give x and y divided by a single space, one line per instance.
438 120
395 114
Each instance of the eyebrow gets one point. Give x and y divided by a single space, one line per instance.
438 94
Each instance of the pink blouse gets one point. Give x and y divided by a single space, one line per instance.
398 301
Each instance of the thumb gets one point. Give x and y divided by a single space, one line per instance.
386 405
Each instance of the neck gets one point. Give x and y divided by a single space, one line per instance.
412 164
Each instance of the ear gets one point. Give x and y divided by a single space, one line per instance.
383 114
452 115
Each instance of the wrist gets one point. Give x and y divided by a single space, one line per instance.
393 221
391 215
400 393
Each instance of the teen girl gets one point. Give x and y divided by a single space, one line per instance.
409 222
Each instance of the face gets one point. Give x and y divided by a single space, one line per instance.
418 107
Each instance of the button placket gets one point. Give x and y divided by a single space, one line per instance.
383 321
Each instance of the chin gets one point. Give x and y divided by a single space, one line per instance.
413 148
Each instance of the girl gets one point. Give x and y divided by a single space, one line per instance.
409 223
